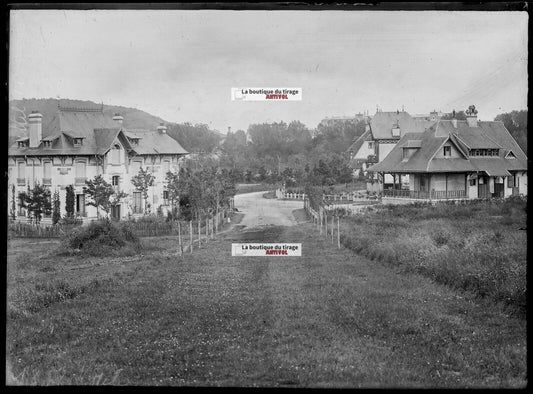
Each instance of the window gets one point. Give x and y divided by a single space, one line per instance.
137 202
115 179
80 204
47 144
136 166
47 173
511 181
165 197
23 144
370 144
78 141
115 154
21 211
473 182
80 169
21 169
447 151
166 167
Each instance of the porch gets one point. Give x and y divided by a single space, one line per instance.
425 195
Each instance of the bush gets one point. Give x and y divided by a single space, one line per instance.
101 238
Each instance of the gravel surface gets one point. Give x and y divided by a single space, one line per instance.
259 211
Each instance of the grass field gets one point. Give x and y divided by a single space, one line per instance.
480 247
329 319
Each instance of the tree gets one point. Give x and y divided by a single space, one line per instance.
176 187
516 123
99 194
142 182
56 213
37 201
13 210
70 201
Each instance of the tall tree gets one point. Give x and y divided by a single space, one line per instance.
70 201
56 213
516 123
37 201
99 194
13 210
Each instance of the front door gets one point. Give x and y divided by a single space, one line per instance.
115 212
498 189
483 187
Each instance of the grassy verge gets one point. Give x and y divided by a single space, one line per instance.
328 319
477 247
255 187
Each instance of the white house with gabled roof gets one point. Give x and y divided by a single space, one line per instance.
79 143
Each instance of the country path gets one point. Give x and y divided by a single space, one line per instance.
260 211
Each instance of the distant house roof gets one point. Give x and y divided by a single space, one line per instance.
383 122
366 136
98 132
488 135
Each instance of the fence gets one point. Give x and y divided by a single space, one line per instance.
25 230
282 194
328 225
207 225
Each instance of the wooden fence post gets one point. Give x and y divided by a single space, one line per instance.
320 219
206 229
332 228
190 234
179 238
338 232
326 223
199 233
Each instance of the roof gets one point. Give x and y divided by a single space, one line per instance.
151 142
366 136
98 132
382 123
488 135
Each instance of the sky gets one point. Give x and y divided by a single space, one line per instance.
180 65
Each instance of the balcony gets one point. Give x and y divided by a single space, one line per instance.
423 195
47 181
80 181
21 181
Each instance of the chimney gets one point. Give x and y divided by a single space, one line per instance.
162 128
229 129
118 118
35 120
454 120
471 116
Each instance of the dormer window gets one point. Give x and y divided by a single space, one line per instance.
447 152
395 130
134 141
510 155
47 144
78 141
23 144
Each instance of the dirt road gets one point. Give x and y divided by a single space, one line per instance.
260 211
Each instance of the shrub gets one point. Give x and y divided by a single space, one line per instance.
100 238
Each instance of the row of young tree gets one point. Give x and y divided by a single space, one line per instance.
191 194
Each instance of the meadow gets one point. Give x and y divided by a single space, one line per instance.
480 247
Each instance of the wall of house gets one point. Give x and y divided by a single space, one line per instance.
454 182
454 153
384 149
472 189
64 171
522 183
364 151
